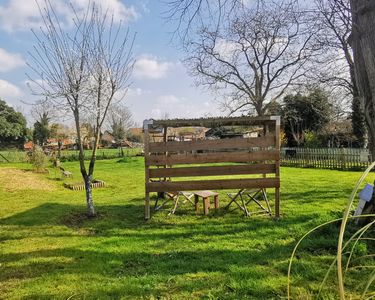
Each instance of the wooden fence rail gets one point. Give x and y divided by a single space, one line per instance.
326 158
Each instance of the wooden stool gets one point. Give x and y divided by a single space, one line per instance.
206 200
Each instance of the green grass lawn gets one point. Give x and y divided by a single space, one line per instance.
49 250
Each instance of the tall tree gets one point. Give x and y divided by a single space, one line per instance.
302 113
12 126
363 44
41 132
82 70
336 67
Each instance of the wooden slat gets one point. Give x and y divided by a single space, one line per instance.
213 170
216 157
213 184
216 122
235 143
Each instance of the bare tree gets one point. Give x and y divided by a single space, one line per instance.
255 56
336 67
81 70
120 120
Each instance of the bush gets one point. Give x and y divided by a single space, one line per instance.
39 159
311 140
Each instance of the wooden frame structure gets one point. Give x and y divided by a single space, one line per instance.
255 155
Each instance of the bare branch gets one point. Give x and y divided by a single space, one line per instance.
255 56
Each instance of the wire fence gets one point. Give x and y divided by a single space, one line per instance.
326 158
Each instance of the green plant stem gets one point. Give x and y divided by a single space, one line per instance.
342 232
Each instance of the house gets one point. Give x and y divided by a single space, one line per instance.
28 146
107 139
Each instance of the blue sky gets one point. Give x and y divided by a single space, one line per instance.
160 84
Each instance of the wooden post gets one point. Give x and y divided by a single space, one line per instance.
147 206
216 202
277 147
146 124
165 136
277 203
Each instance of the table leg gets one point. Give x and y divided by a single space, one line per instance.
216 202
196 203
206 205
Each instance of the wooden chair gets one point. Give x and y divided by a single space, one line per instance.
245 196
177 198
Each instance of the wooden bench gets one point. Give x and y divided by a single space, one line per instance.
205 195
202 158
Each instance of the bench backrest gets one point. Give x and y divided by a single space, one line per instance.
190 164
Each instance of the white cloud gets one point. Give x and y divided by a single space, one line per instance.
151 68
133 92
172 106
168 100
9 90
10 61
116 8
156 113
21 15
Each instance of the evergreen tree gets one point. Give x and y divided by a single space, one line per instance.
305 113
41 130
12 127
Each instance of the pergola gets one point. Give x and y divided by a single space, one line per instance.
219 157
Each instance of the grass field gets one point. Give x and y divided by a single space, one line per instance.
49 250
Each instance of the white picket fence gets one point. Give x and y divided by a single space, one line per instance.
326 158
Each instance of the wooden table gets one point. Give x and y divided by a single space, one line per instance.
205 195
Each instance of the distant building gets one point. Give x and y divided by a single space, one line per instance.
28 146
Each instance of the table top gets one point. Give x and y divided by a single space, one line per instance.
205 194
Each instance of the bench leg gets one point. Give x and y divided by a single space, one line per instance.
175 199
244 207
206 205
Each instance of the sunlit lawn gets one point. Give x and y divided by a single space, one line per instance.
48 250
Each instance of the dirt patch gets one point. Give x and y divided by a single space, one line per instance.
77 220
12 180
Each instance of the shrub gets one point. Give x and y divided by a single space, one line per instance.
39 159
311 140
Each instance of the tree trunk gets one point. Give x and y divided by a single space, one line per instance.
358 120
87 178
363 44
59 145
89 201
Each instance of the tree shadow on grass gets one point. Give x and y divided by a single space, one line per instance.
156 268
73 215
131 215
